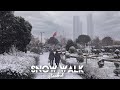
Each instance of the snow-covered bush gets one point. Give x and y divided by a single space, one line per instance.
36 50
63 61
72 49
92 71
117 70
117 65
80 59
101 63
79 52
67 55
16 65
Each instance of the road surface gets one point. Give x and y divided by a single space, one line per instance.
44 61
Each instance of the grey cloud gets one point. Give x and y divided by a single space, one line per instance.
105 22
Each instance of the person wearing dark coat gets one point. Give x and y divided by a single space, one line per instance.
57 58
51 57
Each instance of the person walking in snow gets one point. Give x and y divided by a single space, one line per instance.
51 57
57 58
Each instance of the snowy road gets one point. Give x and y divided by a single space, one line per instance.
44 61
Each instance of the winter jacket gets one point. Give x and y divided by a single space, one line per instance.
51 56
57 57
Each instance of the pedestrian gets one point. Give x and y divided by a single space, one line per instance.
57 58
51 57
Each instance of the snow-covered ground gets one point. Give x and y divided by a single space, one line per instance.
44 61
104 73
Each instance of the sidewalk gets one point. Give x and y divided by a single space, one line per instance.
44 61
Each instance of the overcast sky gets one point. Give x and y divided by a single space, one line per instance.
106 23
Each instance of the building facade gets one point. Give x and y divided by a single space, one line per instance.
90 26
77 27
